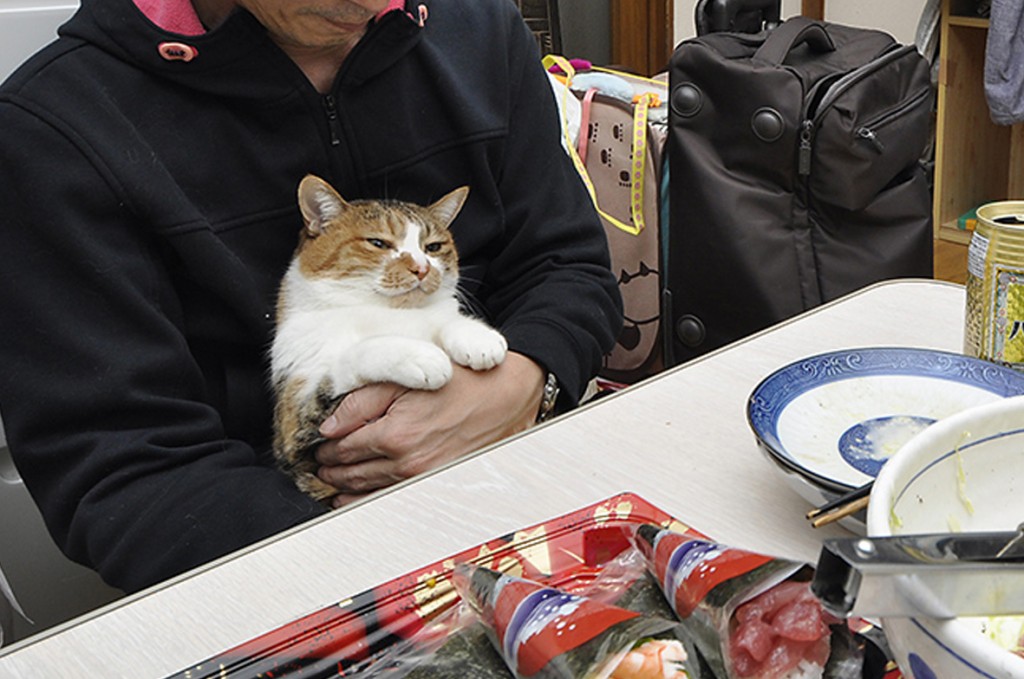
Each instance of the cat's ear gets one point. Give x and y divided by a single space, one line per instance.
319 203
448 207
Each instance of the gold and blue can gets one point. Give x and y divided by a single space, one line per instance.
994 314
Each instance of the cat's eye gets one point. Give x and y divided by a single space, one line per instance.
434 247
379 243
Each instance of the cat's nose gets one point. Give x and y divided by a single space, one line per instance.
421 269
418 266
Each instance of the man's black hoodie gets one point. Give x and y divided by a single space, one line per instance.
147 213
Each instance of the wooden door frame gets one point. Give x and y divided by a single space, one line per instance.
815 9
641 35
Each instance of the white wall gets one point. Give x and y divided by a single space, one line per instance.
898 17
27 25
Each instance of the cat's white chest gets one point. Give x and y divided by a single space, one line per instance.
352 337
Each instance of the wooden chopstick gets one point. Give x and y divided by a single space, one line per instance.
840 512
842 501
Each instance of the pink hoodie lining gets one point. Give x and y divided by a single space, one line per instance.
174 16
392 6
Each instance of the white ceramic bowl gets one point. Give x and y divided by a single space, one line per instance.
829 422
963 473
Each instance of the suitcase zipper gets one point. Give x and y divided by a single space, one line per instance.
869 136
867 130
811 118
804 158
840 86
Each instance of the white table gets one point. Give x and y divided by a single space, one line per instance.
680 440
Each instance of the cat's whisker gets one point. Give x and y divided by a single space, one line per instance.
468 301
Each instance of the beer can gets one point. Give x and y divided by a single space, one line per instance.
994 313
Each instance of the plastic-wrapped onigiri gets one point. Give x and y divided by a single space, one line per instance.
749 616
548 633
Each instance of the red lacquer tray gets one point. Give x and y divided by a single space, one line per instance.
567 552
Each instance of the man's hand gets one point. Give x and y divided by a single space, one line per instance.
383 433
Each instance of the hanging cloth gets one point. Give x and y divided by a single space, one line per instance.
1004 62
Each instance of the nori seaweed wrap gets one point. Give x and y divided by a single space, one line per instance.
546 633
466 653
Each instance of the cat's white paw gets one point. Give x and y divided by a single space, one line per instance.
474 345
426 368
412 363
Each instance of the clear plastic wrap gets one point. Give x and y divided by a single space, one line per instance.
751 616
548 633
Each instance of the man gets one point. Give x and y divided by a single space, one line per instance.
148 166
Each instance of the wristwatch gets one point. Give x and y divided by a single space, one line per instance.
548 398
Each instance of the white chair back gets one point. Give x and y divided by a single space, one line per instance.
27 25
49 587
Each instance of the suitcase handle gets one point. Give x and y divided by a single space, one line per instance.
790 35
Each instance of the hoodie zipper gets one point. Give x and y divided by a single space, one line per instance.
329 102
331 109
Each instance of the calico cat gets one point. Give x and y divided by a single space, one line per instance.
370 296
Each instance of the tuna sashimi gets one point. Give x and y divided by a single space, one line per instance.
773 633
752 616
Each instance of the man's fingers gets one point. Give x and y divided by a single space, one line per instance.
342 499
363 405
360 478
341 452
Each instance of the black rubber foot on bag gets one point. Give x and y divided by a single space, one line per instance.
690 331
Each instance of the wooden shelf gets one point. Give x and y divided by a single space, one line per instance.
954 234
976 161
968 22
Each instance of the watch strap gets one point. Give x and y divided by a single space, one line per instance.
548 398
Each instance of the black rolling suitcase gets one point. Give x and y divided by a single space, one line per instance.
736 16
794 174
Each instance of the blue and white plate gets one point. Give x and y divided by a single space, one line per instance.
834 419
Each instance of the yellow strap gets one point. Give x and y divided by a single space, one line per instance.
639 151
636 203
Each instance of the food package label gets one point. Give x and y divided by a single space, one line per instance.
691 568
536 624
